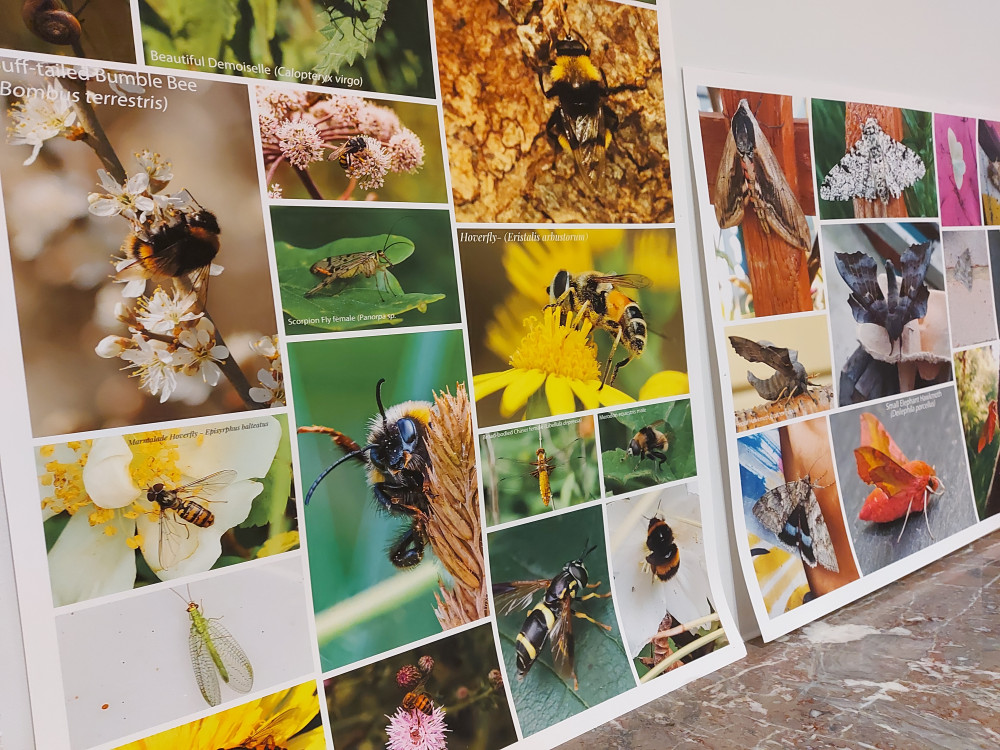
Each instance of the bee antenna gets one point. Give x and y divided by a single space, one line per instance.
378 400
331 467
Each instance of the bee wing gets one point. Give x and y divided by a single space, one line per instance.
233 657
199 282
169 548
205 672
208 486
626 280
562 639
516 595
730 186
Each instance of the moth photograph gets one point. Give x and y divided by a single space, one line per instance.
873 161
779 369
976 378
344 268
988 157
661 578
565 122
760 185
196 645
647 445
957 176
556 617
387 456
795 524
971 306
450 688
538 469
888 308
596 311
903 474
93 30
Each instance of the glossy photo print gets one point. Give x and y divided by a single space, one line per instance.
971 306
125 511
760 186
988 151
388 461
795 523
342 268
958 180
560 118
976 377
92 30
151 240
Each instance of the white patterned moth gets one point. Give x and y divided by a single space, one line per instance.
792 513
877 167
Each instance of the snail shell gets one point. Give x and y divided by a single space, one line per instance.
50 21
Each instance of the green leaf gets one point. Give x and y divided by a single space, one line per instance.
197 28
351 28
269 506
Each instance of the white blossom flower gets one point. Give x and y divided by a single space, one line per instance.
274 191
163 313
406 151
130 200
271 390
112 346
153 364
200 352
160 170
37 118
300 143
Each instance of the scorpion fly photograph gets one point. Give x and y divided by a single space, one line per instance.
387 458
583 83
345 268
564 320
532 470
558 628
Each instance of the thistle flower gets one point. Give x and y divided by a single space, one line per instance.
415 730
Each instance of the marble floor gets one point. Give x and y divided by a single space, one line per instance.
915 665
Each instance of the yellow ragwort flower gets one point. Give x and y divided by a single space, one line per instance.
560 357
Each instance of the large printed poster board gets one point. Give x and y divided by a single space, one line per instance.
348 379
848 249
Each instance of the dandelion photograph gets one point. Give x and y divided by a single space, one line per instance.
93 29
445 694
538 469
345 147
343 268
373 45
646 446
387 456
564 320
286 719
138 252
664 596
557 665
125 511
259 641
522 147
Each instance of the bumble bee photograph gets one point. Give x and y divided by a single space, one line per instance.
93 29
873 161
798 539
372 45
562 320
538 469
759 182
450 690
646 446
664 594
387 460
779 369
560 118
138 253
126 511
344 268
559 636
888 308
976 377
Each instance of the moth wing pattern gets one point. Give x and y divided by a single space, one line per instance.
821 541
860 272
783 511
730 186
963 269
776 357
877 167
916 260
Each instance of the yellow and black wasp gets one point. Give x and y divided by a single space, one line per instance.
186 503
552 617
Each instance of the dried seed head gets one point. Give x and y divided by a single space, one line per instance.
425 664
408 677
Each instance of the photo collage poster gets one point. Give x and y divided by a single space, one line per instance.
352 403
848 245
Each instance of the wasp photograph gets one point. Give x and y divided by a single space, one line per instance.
562 320
537 469
125 511
93 29
372 45
450 690
795 525
664 594
173 632
888 308
559 636
344 268
873 161
646 446
903 475
560 118
153 244
758 165
387 461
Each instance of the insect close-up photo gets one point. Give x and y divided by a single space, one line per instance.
976 378
581 83
93 29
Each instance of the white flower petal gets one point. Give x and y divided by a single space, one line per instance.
106 475
85 562
248 451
